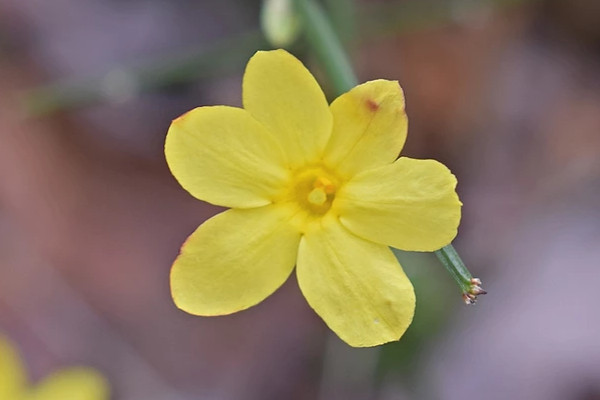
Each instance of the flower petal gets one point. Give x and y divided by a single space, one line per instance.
356 286
283 95
411 205
369 127
71 384
224 156
12 372
234 261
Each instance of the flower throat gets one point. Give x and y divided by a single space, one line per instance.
314 189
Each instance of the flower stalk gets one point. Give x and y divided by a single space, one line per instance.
470 287
326 45
330 52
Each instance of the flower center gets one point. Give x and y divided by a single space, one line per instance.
314 189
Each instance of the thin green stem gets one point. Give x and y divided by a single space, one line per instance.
455 266
122 83
326 45
328 48
469 286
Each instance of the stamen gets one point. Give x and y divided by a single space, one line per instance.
325 184
314 190
317 196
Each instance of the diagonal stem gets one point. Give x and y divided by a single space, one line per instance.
469 286
326 45
328 48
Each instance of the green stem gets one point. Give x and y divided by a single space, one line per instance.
223 56
469 286
326 45
455 266
328 48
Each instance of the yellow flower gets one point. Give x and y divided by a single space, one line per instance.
313 186
67 384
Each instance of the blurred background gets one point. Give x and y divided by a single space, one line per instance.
504 92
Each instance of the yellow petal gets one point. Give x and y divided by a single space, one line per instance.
410 204
71 384
12 372
224 156
369 127
282 94
356 286
234 261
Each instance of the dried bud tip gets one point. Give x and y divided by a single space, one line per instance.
476 290
469 298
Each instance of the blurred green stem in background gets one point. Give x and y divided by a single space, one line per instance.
119 84
390 18
342 14
326 45
376 19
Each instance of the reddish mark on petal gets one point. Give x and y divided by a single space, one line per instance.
372 104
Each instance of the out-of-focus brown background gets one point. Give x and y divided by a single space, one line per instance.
506 93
